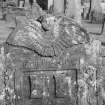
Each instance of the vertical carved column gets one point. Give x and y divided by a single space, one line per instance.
73 9
78 11
58 6
27 3
50 3
70 8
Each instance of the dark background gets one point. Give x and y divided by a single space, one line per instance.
43 4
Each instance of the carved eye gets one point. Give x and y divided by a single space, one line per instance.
34 92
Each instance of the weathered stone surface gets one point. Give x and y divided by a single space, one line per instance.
51 61
54 52
51 42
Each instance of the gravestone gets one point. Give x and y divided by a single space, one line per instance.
51 60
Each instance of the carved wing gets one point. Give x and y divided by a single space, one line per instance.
47 39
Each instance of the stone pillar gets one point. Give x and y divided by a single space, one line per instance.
50 6
70 8
73 9
27 5
96 6
50 3
58 6
78 11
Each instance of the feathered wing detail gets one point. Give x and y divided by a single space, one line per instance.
60 35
